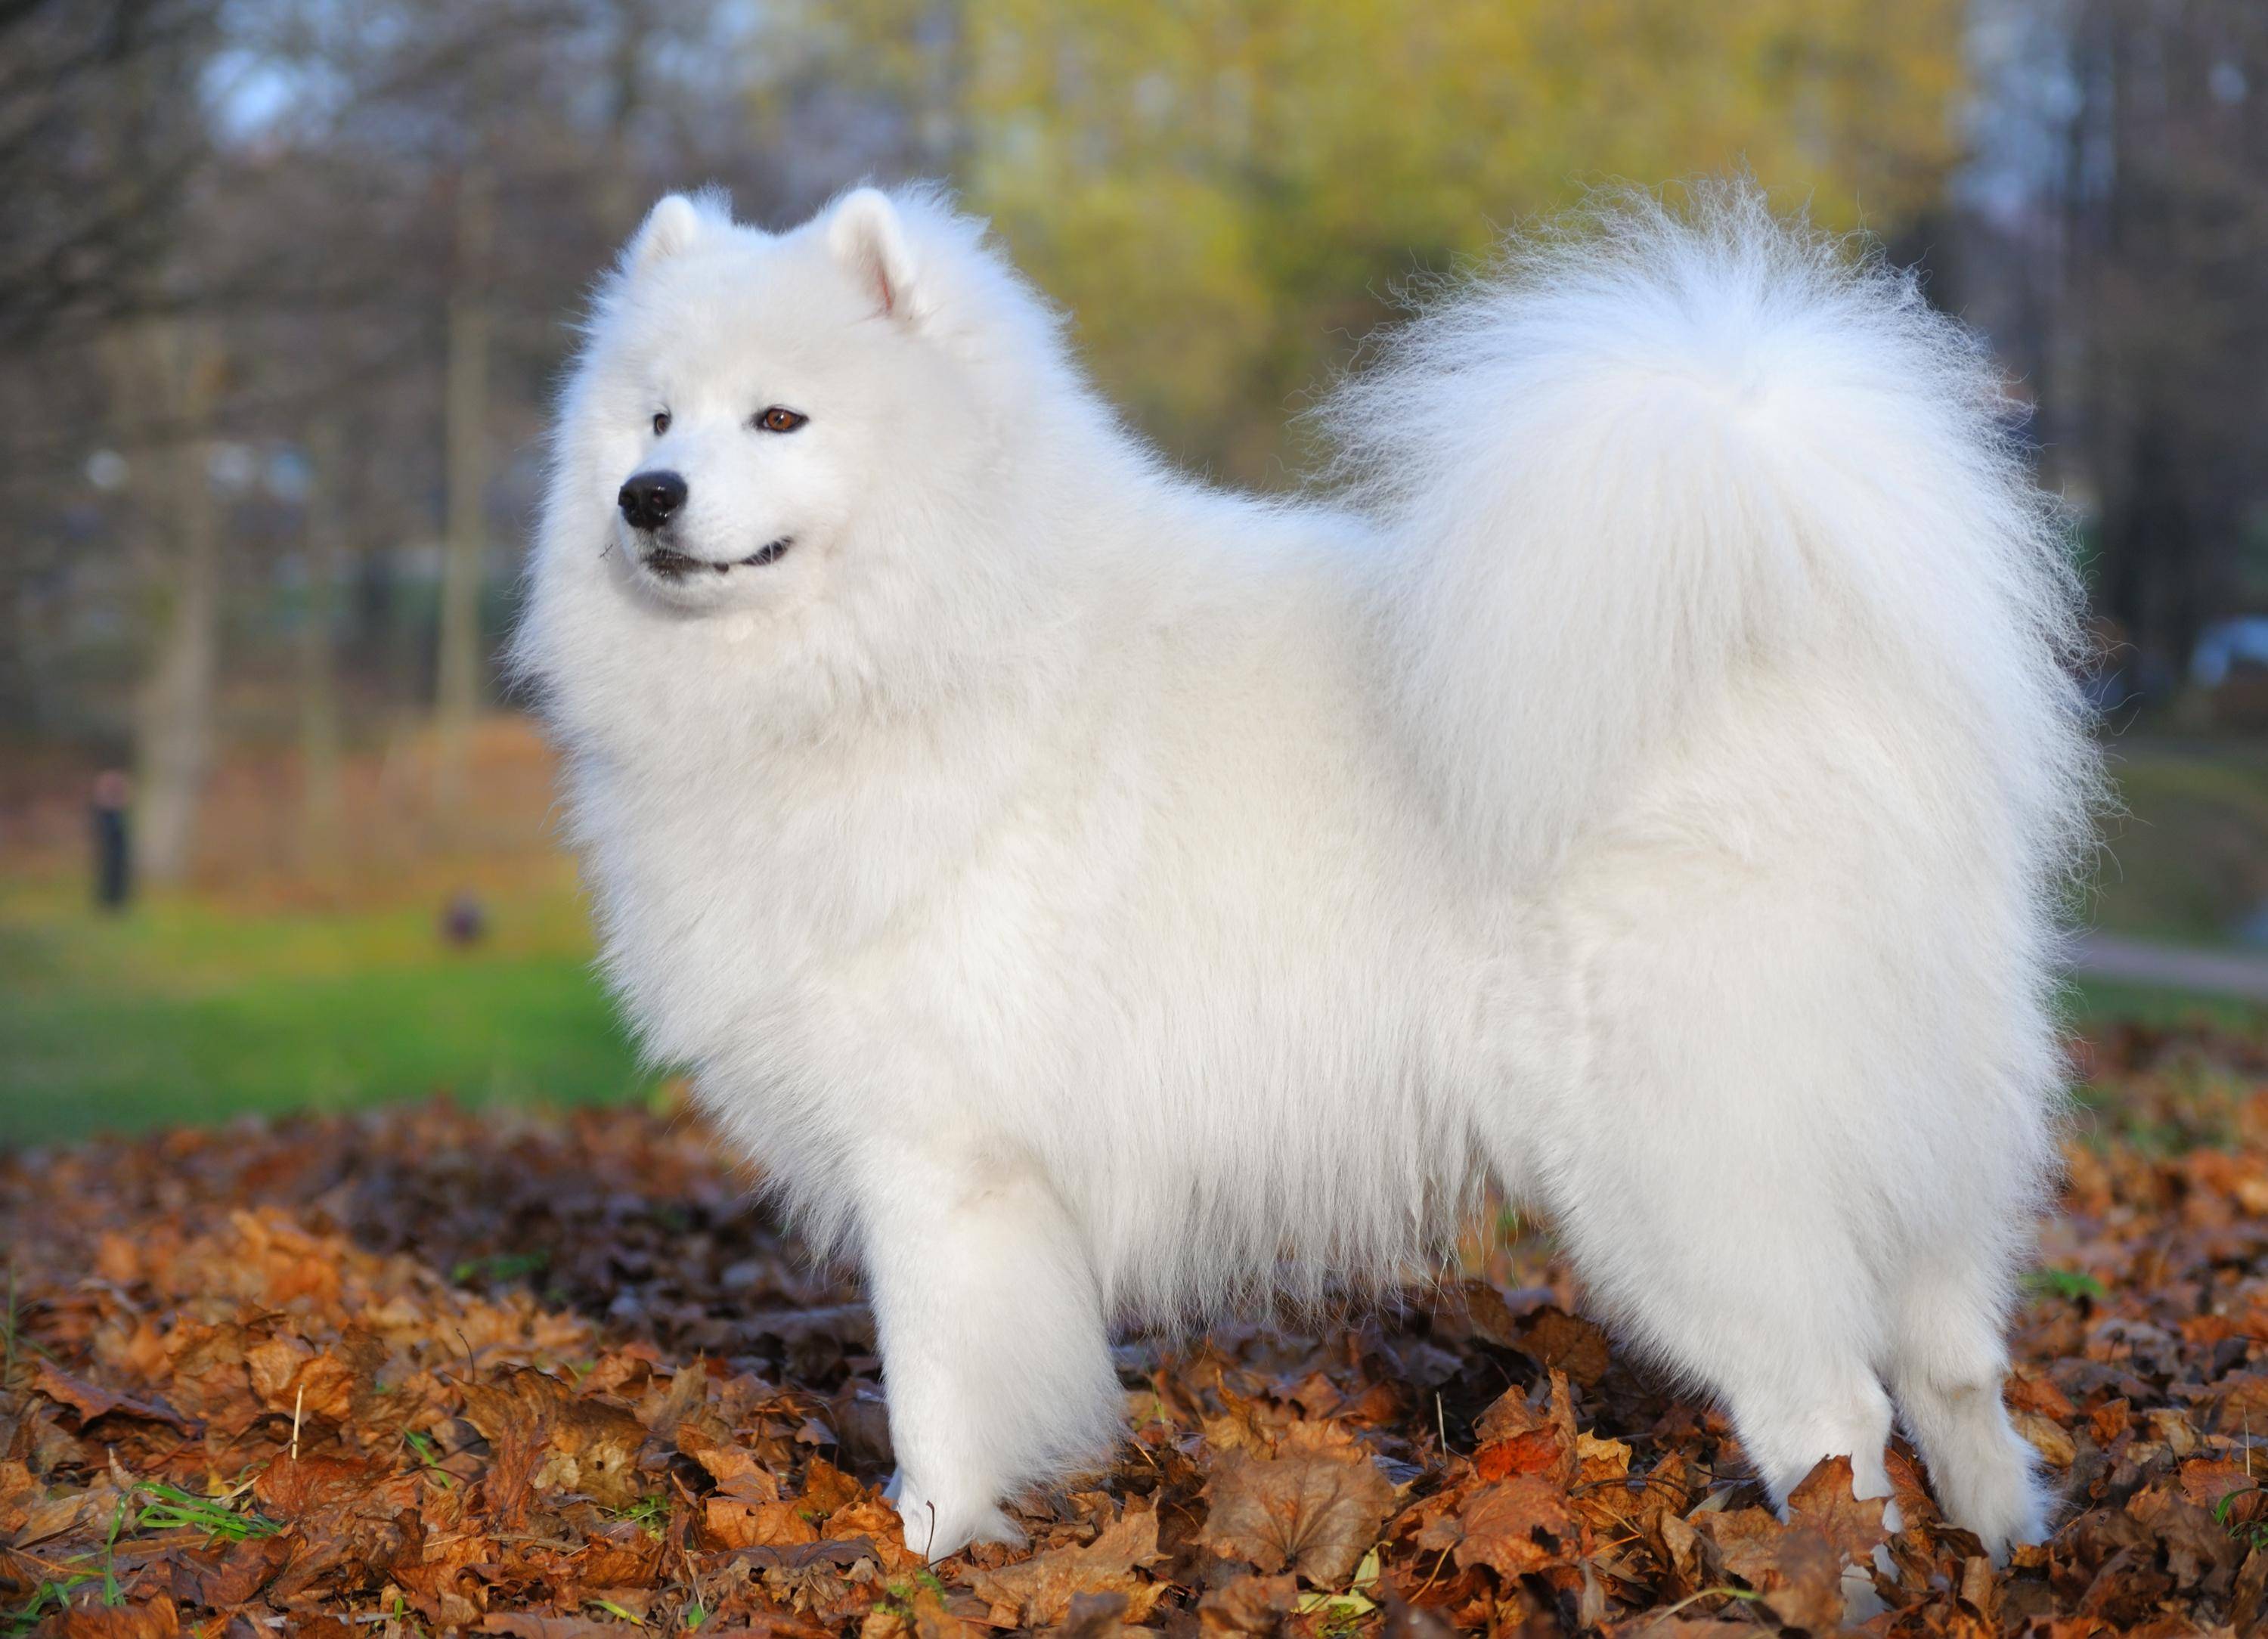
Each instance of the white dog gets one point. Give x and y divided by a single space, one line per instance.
1648 786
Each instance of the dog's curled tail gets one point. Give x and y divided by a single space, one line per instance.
1655 445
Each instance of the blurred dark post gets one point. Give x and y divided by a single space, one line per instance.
114 870
464 919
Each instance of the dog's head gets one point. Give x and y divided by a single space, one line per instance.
798 441
747 396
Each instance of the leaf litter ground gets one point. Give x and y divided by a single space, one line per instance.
423 1370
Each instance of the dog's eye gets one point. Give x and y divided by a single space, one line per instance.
660 422
778 419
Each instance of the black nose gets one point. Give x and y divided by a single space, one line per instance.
649 499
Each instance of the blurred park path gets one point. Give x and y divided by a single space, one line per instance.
2173 968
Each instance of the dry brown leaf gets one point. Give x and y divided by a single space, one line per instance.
732 1522
2194 1546
619 1555
155 1619
93 1404
1598 1461
926 1617
1823 1501
223 1577
1250 1604
529 1624
1095 1616
827 1487
1517 1526
296 1490
546 1438
1314 1508
53 1516
176 1274
1540 1451
2248 1600
1796 1569
1508 1416
293 1378
870 1519
20 1494
1567 1342
734 1468
346 1516
2205 1480
435 1570
1039 1591
2047 1438
1682 1550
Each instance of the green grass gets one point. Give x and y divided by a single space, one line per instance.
2102 1001
185 1011
2189 856
2070 1285
164 1508
169 1507
192 1010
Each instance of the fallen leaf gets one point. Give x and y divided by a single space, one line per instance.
528 1625
2047 1439
1537 1451
1797 1570
731 1522
1515 1526
549 1439
93 1404
155 1619
1823 1501
1040 1590
1248 1605
225 1281
1567 1342
1314 1508
735 1469
224 1577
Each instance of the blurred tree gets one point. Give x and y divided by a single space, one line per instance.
504 148
276 182
1222 194
101 130
2118 220
167 375
2167 200
102 140
457 687
323 802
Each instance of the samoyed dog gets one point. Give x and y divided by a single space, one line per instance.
1642 779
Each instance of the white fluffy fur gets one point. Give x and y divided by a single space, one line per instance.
1091 895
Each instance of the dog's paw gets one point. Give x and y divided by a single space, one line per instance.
938 1526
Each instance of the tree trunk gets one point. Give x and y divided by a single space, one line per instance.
174 365
322 809
458 682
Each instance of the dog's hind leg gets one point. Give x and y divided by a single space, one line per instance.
1705 1156
995 1355
1768 1309
1946 1362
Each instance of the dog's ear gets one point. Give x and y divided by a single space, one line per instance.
865 236
676 223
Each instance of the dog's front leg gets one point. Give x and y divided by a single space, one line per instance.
995 1356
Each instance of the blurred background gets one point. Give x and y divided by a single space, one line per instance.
284 288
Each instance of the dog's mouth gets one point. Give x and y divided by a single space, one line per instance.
674 565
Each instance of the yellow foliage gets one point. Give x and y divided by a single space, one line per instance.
1223 194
